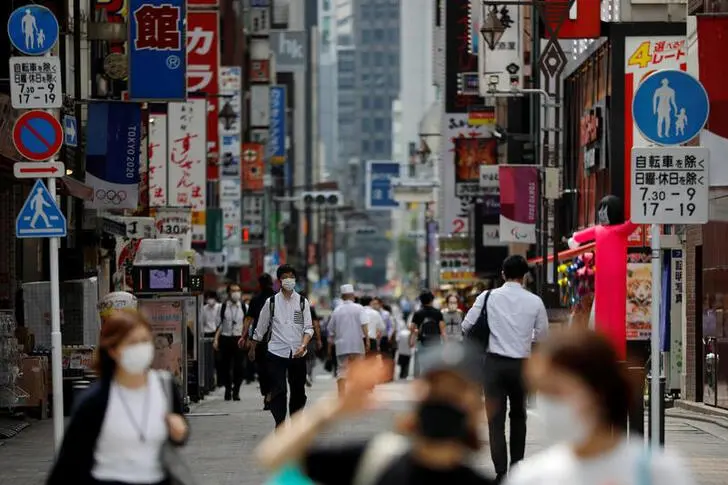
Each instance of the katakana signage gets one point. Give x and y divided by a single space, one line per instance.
157 59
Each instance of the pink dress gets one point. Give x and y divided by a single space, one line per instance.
610 280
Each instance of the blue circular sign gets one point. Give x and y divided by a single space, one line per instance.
33 30
670 107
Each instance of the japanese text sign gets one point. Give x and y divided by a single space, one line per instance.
157 159
187 154
35 82
379 192
203 65
277 133
670 185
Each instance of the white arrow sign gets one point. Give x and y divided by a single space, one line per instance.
39 170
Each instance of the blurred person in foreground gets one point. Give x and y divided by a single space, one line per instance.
583 395
118 429
435 443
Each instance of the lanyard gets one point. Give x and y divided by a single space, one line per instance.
139 427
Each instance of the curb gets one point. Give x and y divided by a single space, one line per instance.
699 412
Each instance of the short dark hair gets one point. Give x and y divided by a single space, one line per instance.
230 285
426 297
515 267
365 300
210 294
285 268
265 281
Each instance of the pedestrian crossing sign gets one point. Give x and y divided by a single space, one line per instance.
40 216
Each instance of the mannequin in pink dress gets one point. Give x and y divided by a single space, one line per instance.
610 279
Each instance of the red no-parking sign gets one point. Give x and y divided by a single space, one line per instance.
37 135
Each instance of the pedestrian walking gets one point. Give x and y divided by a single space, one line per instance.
314 345
435 442
453 318
582 398
227 337
428 326
288 317
265 291
373 320
117 431
386 342
514 316
347 334
405 346
210 318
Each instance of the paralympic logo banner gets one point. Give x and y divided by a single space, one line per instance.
518 203
113 142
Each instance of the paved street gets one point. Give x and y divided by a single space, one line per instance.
225 433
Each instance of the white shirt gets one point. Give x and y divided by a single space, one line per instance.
515 317
625 465
288 327
231 324
121 455
345 328
210 317
373 320
403 342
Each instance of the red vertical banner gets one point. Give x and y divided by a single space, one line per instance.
253 166
519 199
203 66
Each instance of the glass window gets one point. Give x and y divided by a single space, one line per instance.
387 146
365 146
365 78
365 58
366 124
393 59
366 36
379 124
379 146
378 58
379 102
393 35
365 102
378 35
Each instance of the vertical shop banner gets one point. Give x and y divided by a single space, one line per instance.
643 56
187 154
143 204
470 155
639 296
157 158
461 66
277 131
379 192
519 199
156 50
506 59
253 162
166 317
203 65
231 79
455 209
113 148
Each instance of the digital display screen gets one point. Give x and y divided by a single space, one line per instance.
161 279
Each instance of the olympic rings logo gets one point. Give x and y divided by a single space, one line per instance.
111 196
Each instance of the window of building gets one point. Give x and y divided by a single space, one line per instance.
366 124
366 36
387 146
378 58
365 146
365 102
365 78
379 102
346 82
379 124
378 35
393 35
365 58
379 146
346 66
393 59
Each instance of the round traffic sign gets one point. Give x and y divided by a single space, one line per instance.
670 107
33 29
37 135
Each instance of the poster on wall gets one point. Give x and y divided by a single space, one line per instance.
455 209
470 155
166 317
639 296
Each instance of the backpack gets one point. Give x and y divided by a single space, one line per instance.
429 330
272 305
224 307
479 333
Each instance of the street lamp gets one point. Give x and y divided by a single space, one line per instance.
492 29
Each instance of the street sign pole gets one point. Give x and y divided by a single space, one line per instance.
56 340
655 397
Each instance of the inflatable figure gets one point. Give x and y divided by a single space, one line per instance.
610 279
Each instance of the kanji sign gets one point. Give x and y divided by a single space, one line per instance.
157 58
157 159
379 193
277 131
35 82
670 185
203 65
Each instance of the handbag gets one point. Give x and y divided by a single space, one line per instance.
173 463
479 333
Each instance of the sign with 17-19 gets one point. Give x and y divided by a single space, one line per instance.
35 82
670 185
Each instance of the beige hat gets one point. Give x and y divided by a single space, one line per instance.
347 289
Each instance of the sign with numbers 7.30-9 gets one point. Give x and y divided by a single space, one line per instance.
35 82
670 185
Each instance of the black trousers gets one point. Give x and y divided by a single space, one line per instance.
261 365
232 361
403 361
285 373
503 386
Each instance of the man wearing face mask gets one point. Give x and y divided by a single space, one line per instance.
435 441
288 317
229 332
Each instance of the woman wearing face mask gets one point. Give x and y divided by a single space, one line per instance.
118 428
435 441
582 400
453 317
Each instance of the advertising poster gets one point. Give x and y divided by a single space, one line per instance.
519 201
470 155
455 264
639 296
166 318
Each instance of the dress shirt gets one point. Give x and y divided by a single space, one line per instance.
288 327
210 317
388 323
345 328
231 324
515 317
373 320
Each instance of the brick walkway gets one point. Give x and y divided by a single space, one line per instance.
225 433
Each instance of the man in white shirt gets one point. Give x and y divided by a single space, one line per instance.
228 333
209 317
515 316
288 315
347 333
373 320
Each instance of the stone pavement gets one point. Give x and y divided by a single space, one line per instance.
225 433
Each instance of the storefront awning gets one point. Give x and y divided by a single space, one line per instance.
76 188
568 254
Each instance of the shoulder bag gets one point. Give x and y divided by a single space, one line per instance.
174 464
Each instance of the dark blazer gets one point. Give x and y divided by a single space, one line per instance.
76 457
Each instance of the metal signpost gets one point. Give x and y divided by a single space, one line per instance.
35 82
669 184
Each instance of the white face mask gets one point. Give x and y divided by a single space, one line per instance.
288 284
235 296
137 358
563 422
